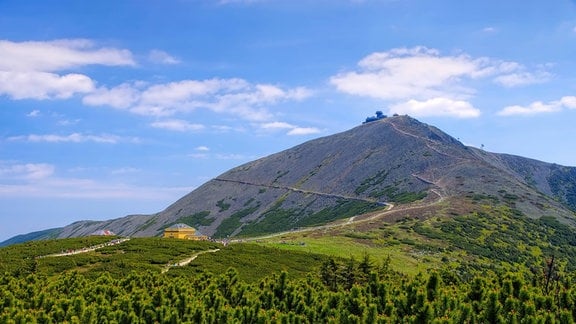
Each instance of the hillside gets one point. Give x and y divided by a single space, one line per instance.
396 161
137 280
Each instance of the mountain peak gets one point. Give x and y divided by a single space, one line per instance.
390 160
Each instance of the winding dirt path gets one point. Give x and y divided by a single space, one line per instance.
186 261
294 189
86 249
358 219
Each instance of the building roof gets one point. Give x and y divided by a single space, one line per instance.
179 226
103 233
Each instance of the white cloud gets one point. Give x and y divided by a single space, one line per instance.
68 122
423 82
303 131
122 96
219 156
489 29
90 189
568 102
42 85
293 130
161 57
203 148
29 171
40 180
72 138
277 125
236 97
50 56
436 107
177 125
126 170
417 73
198 155
538 107
232 156
522 78
34 113
28 70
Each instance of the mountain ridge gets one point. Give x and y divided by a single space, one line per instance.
388 160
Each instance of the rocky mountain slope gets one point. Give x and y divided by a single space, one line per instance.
396 160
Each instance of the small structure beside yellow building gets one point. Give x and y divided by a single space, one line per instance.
184 232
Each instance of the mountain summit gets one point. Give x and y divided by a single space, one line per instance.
387 161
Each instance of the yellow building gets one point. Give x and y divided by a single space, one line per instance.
185 232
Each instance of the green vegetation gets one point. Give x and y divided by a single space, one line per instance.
279 175
140 254
504 234
148 223
371 182
343 209
491 265
222 205
254 262
21 258
277 219
229 225
563 184
403 197
197 219
339 291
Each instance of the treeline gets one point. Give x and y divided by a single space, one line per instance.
341 292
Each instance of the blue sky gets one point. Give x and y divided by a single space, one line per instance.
109 108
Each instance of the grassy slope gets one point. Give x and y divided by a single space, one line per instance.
459 235
443 236
153 254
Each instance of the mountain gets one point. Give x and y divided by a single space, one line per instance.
390 161
33 236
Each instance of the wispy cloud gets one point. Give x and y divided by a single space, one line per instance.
219 156
296 131
28 171
417 79
34 113
292 129
43 85
490 29
521 77
235 97
177 125
436 107
410 73
40 180
161 57
28 70
538 107
50 56
277 125
121 97
73 138
125 170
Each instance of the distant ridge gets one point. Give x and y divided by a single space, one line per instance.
33 236
394 159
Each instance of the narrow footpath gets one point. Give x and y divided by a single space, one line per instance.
86 249
186 261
